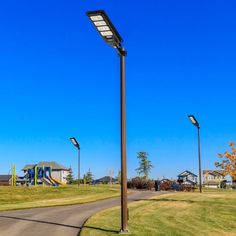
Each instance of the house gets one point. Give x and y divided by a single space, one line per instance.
106 180
187 178
5 180
214 178
57 171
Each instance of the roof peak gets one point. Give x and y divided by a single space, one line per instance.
189 172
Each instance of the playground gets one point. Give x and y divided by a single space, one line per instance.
44 185
40 174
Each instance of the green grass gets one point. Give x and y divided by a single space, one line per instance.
12 198
177 214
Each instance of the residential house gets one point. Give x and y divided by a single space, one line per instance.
214 178
106 180
187 178
5 180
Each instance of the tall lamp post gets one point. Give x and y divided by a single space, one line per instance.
76 144
195 123
111 36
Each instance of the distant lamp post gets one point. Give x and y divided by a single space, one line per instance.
195 123
76 144
111 36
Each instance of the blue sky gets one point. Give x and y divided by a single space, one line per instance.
59 79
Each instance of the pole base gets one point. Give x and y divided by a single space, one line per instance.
124 231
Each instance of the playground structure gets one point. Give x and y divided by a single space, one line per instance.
13 175
41 176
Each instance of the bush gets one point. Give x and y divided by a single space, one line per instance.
140 183
166 185
169 185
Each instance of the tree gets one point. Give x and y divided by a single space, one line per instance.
70 177
228 162
145 165
84 179
88 177
110 174
119 177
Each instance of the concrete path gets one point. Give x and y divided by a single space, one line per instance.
57 221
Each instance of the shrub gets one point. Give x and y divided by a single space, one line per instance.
166 185
140 183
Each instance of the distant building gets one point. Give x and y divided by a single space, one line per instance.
106 180
214 178
187 178
5 180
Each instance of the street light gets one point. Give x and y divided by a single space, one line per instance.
105 28
195 123
111 36
76 144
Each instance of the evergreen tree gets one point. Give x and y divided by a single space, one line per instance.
70 177
89 177
145 165
84 179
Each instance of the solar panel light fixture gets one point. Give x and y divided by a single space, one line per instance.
105 28
194 121
108 32
75 143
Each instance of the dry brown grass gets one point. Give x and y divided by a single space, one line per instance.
212 213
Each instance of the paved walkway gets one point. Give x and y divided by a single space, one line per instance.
57 221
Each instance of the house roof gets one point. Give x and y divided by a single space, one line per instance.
186 173
214 172
106 179
28 167
54 165
5 177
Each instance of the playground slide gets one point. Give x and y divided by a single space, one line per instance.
57 182
51 181
45 181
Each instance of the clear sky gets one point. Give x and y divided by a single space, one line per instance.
58 79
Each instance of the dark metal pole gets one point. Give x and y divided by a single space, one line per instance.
124 209
199 160
78 167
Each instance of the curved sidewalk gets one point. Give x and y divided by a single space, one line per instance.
58 221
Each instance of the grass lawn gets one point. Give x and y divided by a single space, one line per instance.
177 214
12 198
